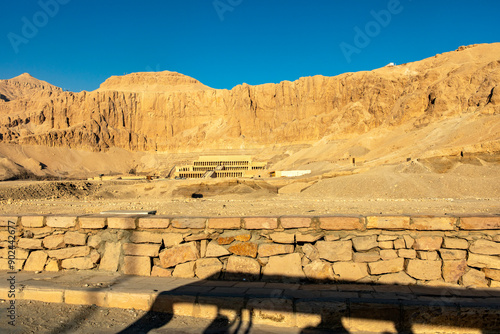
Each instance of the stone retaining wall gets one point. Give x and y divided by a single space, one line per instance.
384 249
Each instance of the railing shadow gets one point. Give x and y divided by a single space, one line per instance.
326 306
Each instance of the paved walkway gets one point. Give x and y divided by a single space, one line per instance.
353 307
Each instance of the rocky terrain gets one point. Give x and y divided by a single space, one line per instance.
377 141
167 111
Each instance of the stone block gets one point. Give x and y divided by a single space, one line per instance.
424 270
32 221
310 252
111 257
428 243
245 236
283 237
69 252
407 253
203 248
75 238
140 237
455 243
239 267
310 238
208 268
272 249
319 270
54 241
172 239
480 223
151 250
215 250
388 254
386 237
335 250
453 254
287 267
53 265
494 274
85 297
386 244
60 221
341 223
28 243
400 278
189 223
483 261
77 263
11 265
399 244
244 249
199 236
453 270
137 265
229 223
331 237
179 254
21 254
95 256
161 272
430 256
387 266
225 240
388 222
485 247
365 243
295 222
154 222
184 270
474 279
409 241
495 284
350 271
433 223
261 223
8 221
371 256
94 241
122 223
92 222
36 261
41 232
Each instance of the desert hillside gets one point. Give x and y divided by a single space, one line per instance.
444 106
168 111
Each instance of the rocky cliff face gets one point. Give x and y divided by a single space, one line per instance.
168 111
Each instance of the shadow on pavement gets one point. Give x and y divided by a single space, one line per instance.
338 307
87 311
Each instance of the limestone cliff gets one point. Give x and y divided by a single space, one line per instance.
167 111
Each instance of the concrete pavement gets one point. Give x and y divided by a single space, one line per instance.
341 307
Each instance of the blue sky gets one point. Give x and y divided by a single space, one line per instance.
77 44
